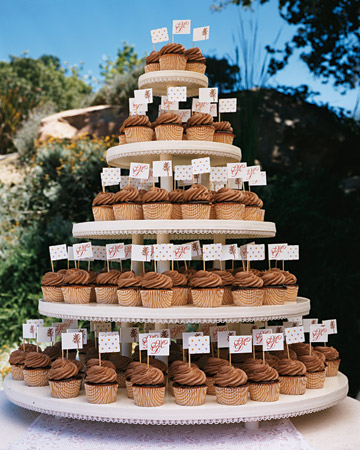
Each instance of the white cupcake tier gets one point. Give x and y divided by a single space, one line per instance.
160 80
181 152
175 314
124 411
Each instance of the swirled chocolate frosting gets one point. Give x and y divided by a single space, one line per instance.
197 193
290 279
262 372
52 279
227 195
251 199
52 352
129 279
178 279
313 363
120 362
168 118
213 365
190 376
150 376
154 280
137 121
93 275
330 352
176 196
129 194
269 359
319 355
200 119
100 375
158 364
301 348
225 276
37 360
134 367
223 127
179 49
103 199
179 366
247 279
27 348
249 364
108 278
61 369
153 57
156 194
95 362
229 376
17 357
272 278
290 367
281 354
77 276
205 279
194 55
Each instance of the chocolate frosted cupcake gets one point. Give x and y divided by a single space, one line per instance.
121 364
172 57
181 292
196 203
270 359
51 287
148 387
156 290
211 368
247 289
101 385
64 379
102 206
223 133
200 127
292 288
17 363
315 371
274 289
53 352
36 369
231 386
76 287
133 367
253 207
332 359
195 60
138 129
127 204
228 204
168 127
302 348
152 62
96 362
227 280
106 290
176 198
206 289
27 348
156 204
128 292
189 386
264 383
292 376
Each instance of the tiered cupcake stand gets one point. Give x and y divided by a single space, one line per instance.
124 410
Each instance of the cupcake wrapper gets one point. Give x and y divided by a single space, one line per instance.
315 380
291 293
138 134
251 213
212 212
149 396
156 298
332 368
171 387
229 211
261 215
17 372
129 389
172 62
103 212
274 296
153 67
65 389
52 294
106 295
264 392
191 396
248 297
292 385
92 294
210 383
157 211
232 395
121 379
129 297
224 138
76 295
200 133
101 394
228 297
195 211
128 211
169 132
207 298
176 213
195 67
36 377
180 296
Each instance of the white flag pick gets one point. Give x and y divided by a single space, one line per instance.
83 331
275 341
144 339
71 341
208 95
162 168
186 336
109 342
58 252
115 251
158 346
29 331
201 34
240 344
223 338
143 96
198 344
181 26
45 334
159 35
331 326
129 335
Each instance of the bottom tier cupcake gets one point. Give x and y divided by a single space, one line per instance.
36 369
148 387
315 371
211 368
264 383
64 379
101 385
332 360
292 376
17 362
189 387
231 387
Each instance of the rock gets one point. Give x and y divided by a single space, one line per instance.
10 173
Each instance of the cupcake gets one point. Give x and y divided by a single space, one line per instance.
17 363
292 376
196 203
315 371
76 287
274 289
36 369
291 287
172 57
302 348
176 198
231 387
247 289
128 292
101 384
332 360
227 280
96 362
64 379
106 290
102 206
127 205
177 366
137 129
270 359
148 387
223 133
200 127
253 207
152 62
206 290
133 367
195 60
189 386
156 204
180 290
168 127
211 368
228 204
156 290
264 383
53 352
121 364
51 287
122 137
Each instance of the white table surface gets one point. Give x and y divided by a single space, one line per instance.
337 428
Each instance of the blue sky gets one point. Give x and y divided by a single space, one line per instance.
84 31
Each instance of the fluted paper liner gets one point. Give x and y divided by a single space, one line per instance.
248 297
169 132
17 372
315 380
121 379
224 138
227 297
261 215
251 213
190 396
128 211
129 389
332 368
180 296
195 211
207 298
52 294
232 395
152 67
210 383
172 61
122 139
156 298
103 212
149 396
212 212
129 297
229 211
157 211
101 394
36 377
291 293
292 385
176 213
138 134
171 387
76 294
106 295
274 296
265 392
65 389
200 133
196 67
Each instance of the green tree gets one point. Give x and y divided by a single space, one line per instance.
221 73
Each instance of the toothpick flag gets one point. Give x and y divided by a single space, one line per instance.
187 336
159 35
212 252
139 170
162 168
318 333
163 252
177 94
45 334
292 252
201 34
256 252
71 341
236 170
70 254
331 326
251 172
129 335
83 331
181 26
209 95
294 335
227 105
141 252
99 252
185 114
277 251
115 251
158 346
136 108
176 330
144 338
36 322
258 179
258 335
229 252
109 342
183 172
199 344
307 323
200 165
58 252
127 250
213 109
240 344
203 107
102 327
195 249
167 104
82 251
218 174
215 330
110 176
223 338
143 96
182 252
29 331
275 341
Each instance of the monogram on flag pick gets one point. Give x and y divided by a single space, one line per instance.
109 342
114 252
83 331
144 340
276 252
127 250
239 344
213 109
83 251
158 347
200 107
251 172
318 333
139 170
181 27
45 334
236 170
209 95
159 35
143 96
259 179
177 94
176 330
200 34
198 344
57 252
162 168
129 335
258 337
272 342
185 114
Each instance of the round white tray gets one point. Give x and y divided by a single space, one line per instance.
124 410
178 229
160 80
175 314
181 151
